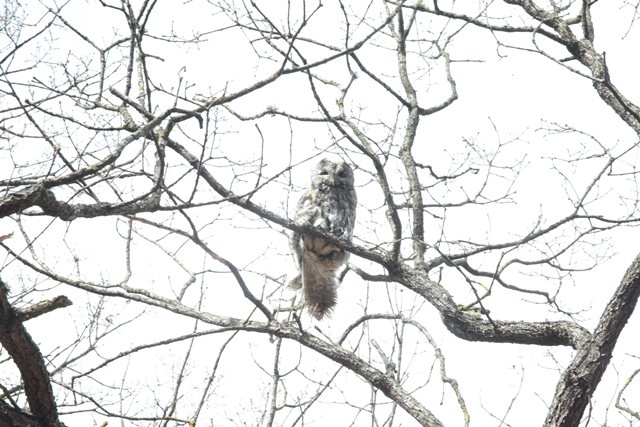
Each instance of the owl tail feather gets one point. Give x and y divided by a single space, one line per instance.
319 290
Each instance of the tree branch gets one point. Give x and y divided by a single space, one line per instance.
580 379
27 357
42 307
467 327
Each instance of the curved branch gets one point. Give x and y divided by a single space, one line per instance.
470 328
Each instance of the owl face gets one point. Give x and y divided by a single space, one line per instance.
328 175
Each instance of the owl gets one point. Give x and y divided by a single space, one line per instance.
329 204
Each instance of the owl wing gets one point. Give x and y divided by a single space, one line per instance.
307 210
305 214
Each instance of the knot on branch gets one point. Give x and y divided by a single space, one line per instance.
51 206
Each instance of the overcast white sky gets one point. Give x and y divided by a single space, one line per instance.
501 98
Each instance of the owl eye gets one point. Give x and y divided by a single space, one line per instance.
342 175
324 173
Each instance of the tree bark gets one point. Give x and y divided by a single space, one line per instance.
14 417
467 327
27 357
580 379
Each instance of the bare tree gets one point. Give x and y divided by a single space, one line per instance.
151 159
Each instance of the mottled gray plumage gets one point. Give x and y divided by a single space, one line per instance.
329 204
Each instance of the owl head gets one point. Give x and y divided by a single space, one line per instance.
328 175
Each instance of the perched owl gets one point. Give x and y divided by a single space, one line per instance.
330 204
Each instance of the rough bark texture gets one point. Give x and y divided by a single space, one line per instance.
45 199
27 357
580 379
20 200
14 417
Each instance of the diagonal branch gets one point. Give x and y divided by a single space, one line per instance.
385 383
580 379
234 270
376 256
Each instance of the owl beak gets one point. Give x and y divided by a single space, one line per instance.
332 182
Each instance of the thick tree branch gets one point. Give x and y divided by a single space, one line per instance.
45 199
42 307
580 379
27 357
467 327
10 416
